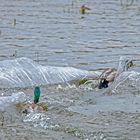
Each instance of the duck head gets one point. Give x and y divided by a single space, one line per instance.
37 93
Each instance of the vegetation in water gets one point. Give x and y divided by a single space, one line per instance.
20 106
44 106
82 81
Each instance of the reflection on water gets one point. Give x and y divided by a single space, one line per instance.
64 37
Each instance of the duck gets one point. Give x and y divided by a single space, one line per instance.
34 105
83 9
109 75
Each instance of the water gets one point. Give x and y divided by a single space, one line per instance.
64 38
55 33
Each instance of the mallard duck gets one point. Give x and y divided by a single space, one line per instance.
110 74
33 106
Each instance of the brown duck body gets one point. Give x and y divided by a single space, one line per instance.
109 74
107 77
31 108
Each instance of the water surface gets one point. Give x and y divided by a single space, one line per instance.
55 33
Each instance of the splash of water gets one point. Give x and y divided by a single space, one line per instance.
124 79
13 99
23 72
40 120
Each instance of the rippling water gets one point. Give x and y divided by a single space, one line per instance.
62 37
55 33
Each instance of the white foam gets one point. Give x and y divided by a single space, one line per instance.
13 99
23 72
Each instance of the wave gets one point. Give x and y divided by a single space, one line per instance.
128 81
24 72
12 99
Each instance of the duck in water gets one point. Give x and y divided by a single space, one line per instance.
83 9
33 106
110 74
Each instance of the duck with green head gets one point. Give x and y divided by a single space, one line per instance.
33 106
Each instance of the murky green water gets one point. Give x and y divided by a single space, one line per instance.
55 33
